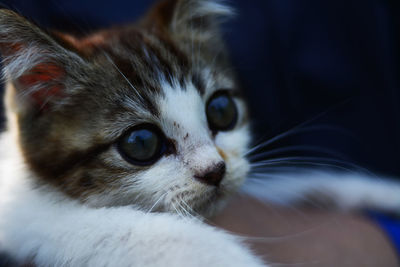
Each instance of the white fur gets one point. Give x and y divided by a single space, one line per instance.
346 190
51 230
39 224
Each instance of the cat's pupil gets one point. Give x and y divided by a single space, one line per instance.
141 146
221 112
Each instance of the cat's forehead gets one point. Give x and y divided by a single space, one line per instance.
146 59
150 70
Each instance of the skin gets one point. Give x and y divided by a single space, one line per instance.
307 237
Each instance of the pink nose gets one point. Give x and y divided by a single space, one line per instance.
213 175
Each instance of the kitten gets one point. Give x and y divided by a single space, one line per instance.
111 137
117 139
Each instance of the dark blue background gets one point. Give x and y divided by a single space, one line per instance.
334 62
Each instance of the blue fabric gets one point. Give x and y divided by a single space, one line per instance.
390 225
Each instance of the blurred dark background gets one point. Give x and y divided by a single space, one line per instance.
334 64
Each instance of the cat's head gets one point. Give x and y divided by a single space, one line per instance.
146 114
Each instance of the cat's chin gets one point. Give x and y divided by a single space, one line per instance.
205 205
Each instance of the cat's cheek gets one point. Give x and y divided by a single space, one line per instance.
233 146
238 169
234 143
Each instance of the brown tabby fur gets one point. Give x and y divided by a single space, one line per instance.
95 107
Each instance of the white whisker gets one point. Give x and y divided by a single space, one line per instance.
188 214
316 161
295 148
177 211
123 75
196 215
158 200
295 130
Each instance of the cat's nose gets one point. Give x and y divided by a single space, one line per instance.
213 175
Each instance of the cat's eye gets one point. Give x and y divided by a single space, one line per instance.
143 145
221 112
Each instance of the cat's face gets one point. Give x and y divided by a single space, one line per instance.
147 115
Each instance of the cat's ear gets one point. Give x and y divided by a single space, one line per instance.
198 19
33 61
